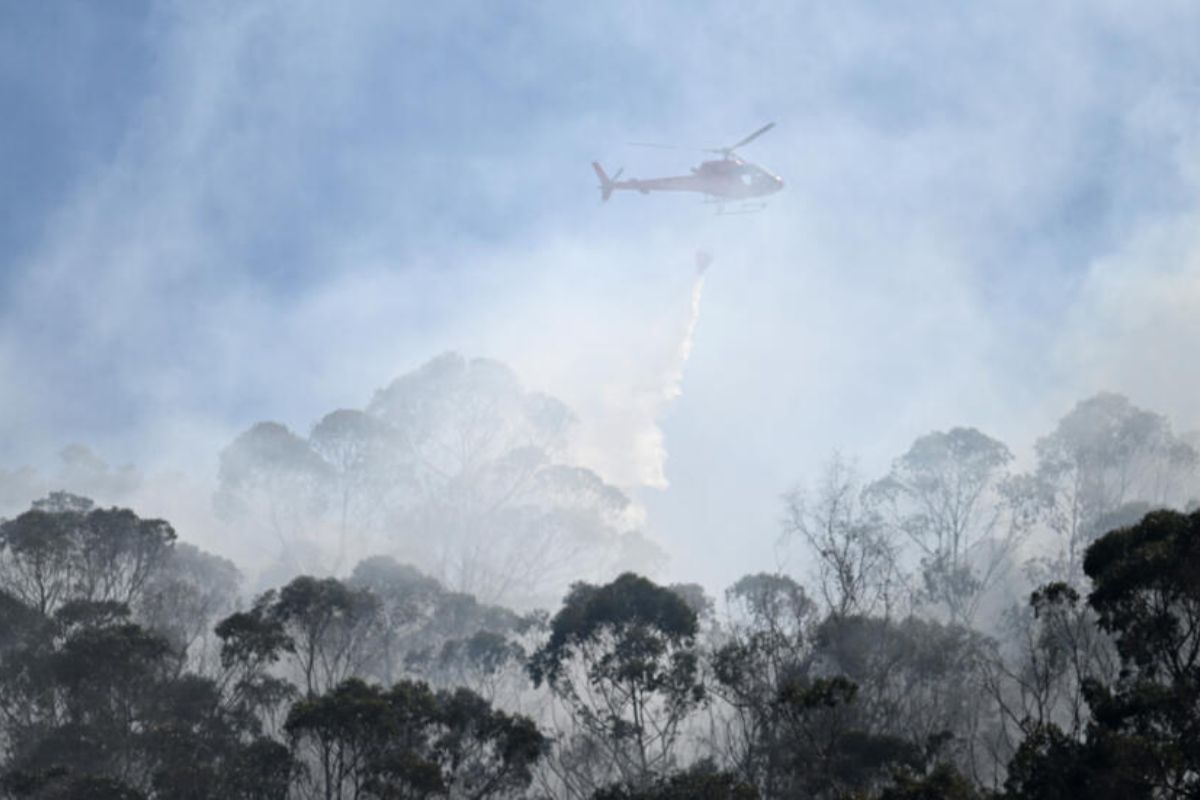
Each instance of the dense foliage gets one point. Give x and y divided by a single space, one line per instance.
962 632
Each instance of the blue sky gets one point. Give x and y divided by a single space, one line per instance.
224 212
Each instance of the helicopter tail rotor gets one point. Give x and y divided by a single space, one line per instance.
607 184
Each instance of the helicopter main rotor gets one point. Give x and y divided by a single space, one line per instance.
727 152
724 152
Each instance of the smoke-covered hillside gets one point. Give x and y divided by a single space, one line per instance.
380 417
953 627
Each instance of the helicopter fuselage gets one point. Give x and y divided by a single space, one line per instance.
726 178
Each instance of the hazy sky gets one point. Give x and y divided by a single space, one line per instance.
217 213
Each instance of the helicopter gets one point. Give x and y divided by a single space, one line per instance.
721 180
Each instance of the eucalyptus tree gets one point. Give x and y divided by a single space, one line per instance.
622 656
1102 455
330 628
768 642
424 628
916 680
94 705
63 548
363 741
454 467
950 497
701 781
1144 718
362 478
185 598
1146 594
855 554
1051 650
273 486
493 504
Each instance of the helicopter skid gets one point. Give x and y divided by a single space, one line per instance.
742 208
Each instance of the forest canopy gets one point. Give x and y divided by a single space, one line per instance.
969 624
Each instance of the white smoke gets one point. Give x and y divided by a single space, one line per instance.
1136 326
620 432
